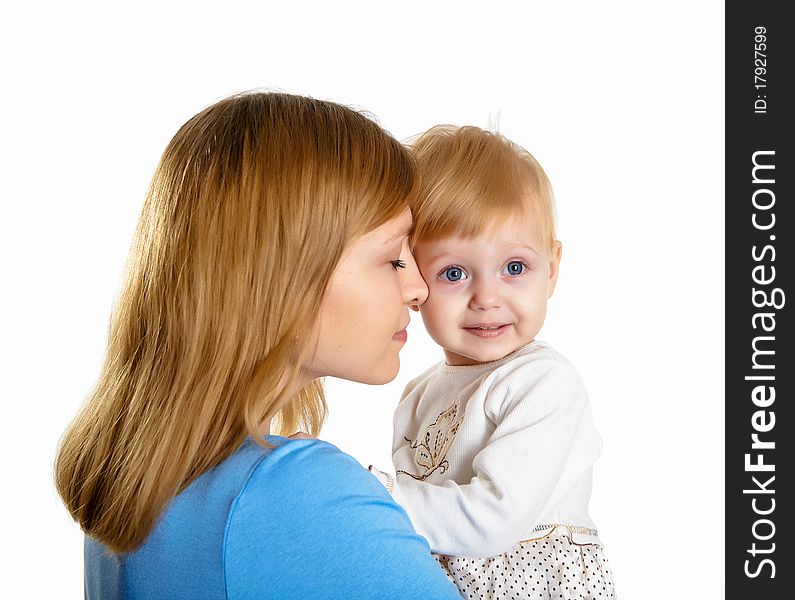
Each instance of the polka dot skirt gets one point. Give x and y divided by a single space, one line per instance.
549 568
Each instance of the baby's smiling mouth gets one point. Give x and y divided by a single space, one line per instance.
486 330
486 326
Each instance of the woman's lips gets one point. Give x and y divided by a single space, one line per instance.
487 330
400 336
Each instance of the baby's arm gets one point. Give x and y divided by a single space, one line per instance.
543 442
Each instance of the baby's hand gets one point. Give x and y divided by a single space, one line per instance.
300 435
385 478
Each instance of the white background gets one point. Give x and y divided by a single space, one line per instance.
621 102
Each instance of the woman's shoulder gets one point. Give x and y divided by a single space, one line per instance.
293 465
255 499
302 482
310 521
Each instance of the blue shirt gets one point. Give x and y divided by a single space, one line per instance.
301 520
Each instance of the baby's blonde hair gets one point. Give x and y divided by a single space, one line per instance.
250 209
472 179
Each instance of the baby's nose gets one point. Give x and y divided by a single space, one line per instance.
484 296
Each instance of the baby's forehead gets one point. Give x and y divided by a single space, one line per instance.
487 243
513 229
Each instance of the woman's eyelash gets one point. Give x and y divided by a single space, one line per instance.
398 264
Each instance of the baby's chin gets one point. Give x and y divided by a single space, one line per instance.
477 356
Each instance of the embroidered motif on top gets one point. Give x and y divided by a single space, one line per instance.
431 449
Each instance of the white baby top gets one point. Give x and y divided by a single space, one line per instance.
490 455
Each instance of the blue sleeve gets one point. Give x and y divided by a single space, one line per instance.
312 523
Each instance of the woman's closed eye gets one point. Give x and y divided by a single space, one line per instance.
453 274
515 268
398 264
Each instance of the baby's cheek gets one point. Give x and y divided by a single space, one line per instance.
432 319
434 307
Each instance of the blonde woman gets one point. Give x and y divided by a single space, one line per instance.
271 252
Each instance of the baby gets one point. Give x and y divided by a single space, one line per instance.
494 447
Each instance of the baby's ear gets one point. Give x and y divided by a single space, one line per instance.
554 266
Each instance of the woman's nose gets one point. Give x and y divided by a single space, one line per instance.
411 282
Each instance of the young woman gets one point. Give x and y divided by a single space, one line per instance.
271 252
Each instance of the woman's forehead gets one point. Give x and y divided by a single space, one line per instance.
394 229
384 236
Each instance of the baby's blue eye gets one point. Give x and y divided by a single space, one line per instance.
454 274
514 268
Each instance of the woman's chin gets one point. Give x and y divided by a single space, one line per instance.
382 373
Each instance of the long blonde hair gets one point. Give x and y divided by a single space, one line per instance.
248 213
